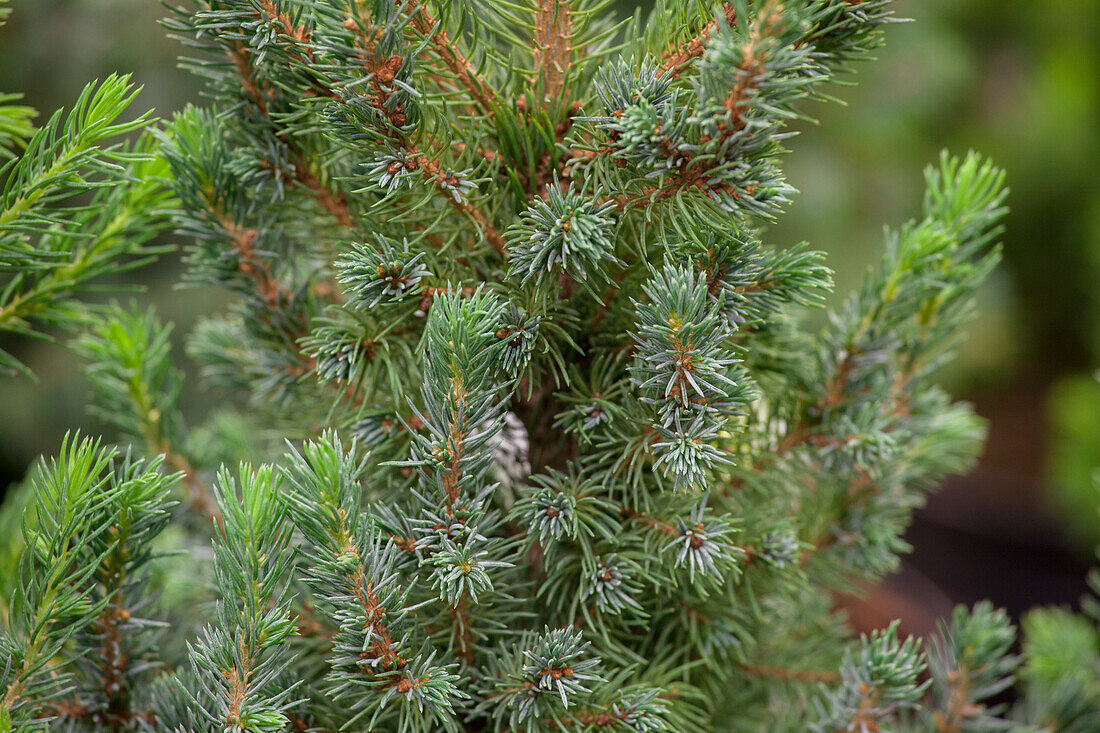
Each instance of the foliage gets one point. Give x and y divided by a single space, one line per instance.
539 435
79 202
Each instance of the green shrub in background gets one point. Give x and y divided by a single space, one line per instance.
1075 456
539 434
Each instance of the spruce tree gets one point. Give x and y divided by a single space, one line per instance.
526 425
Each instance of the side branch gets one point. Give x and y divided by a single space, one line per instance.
959 707
661 526
434 174
337 204
677 62
198 497
482 94
692 173
334 204
461 633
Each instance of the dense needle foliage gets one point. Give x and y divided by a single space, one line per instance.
526 425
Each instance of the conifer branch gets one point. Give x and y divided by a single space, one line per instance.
383 649
446 182
693 174
239 54
969 664
297 33
268 288
959 708
666 528
334 204
875 683
199 498
461 636
52 247
432 172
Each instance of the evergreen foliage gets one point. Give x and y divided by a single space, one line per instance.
539 433
81 198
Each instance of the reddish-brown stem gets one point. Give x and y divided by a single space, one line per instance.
676 62
198 497
691 173
251 265
553 26
300 35
238 684
959 708
433 172
867 714
238 54
382 646
482 94
660 525
462 632
335 204
307 623
114 660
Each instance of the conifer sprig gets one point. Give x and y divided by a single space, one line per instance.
82 580
378 665
239 661
971 663
136 387
876 685
54 246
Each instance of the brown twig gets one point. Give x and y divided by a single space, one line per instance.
198 496
868 713
307 623
959 707
676 62
691 173
381 647
453 474
660 525
552 51
300 35
114 660
335 204
482 94
434 173
462 632
252 266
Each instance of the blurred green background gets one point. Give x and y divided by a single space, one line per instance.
1016 79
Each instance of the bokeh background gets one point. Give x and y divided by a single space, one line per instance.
1015 79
